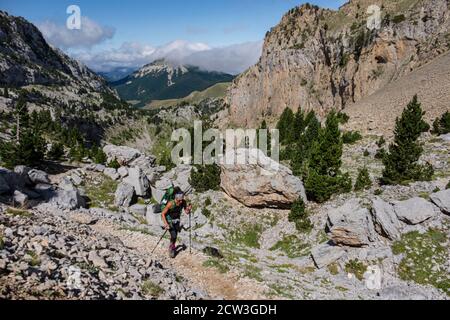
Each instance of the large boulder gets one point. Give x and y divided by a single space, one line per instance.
260 181
385 219
124 195
442 200
325 254
123 155
38 176
139 210
138 179
415 210
68 200
351 224
20 177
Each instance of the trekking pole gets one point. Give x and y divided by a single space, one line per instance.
162 237
190 234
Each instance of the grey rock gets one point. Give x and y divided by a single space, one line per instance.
111 173
38 176
442 200
124 195
123 155
76 179
20 177
325 254
139 181
351 224
100 168
123 172
260 181
67 184
20 198
68 200
139 209
153 219
415 210
97 261
386 221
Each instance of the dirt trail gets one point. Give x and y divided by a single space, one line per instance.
228 286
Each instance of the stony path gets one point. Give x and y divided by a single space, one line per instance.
227 286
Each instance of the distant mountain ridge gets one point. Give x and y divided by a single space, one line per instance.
161 80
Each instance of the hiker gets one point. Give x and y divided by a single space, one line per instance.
171 215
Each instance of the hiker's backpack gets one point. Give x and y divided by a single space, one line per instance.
169 196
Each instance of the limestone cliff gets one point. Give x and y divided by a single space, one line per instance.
322 59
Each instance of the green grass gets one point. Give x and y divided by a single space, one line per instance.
280 290
333 268
253 272
356 267
216 91
216 263
150 288
247 236
102 195
424 258
292 247
18 212
34 258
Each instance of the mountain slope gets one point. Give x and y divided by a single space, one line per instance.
161 81
322 59
376 114
50 80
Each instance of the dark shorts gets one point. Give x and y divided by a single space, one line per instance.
175 228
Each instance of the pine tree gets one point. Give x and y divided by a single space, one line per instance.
401 162
324 176
363 180
285 125
6 92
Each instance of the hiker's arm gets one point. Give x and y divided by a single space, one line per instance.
164 214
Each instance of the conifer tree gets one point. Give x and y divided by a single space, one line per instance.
285 124
401 161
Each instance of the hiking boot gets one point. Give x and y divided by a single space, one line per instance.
172 251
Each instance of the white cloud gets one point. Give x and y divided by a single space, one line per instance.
90 34
230 59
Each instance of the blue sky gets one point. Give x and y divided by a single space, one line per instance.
155 23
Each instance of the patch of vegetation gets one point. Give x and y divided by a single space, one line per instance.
114 164
292 247
280 290
448 186
363 181
101 195
216 263
398 18
299 216
357 268
442 125
253 272
401 162
34 258
351 137
425 256
204 178
206 212
150 288
333 268
247 236
378 192
18 212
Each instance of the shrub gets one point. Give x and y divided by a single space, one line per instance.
356 267
56 152
381 142
442 125
343 117
299 216
114 164
363 181
320 188
351 137
204 178
448 186
401 162
399 18
98 156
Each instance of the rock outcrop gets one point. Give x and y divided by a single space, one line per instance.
442 200
332 59
415 210
261 182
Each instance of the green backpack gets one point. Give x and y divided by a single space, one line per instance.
169 196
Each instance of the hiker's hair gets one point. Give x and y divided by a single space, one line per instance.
179 196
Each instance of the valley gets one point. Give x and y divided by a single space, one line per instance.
356 208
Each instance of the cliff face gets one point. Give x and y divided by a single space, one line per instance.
322 59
